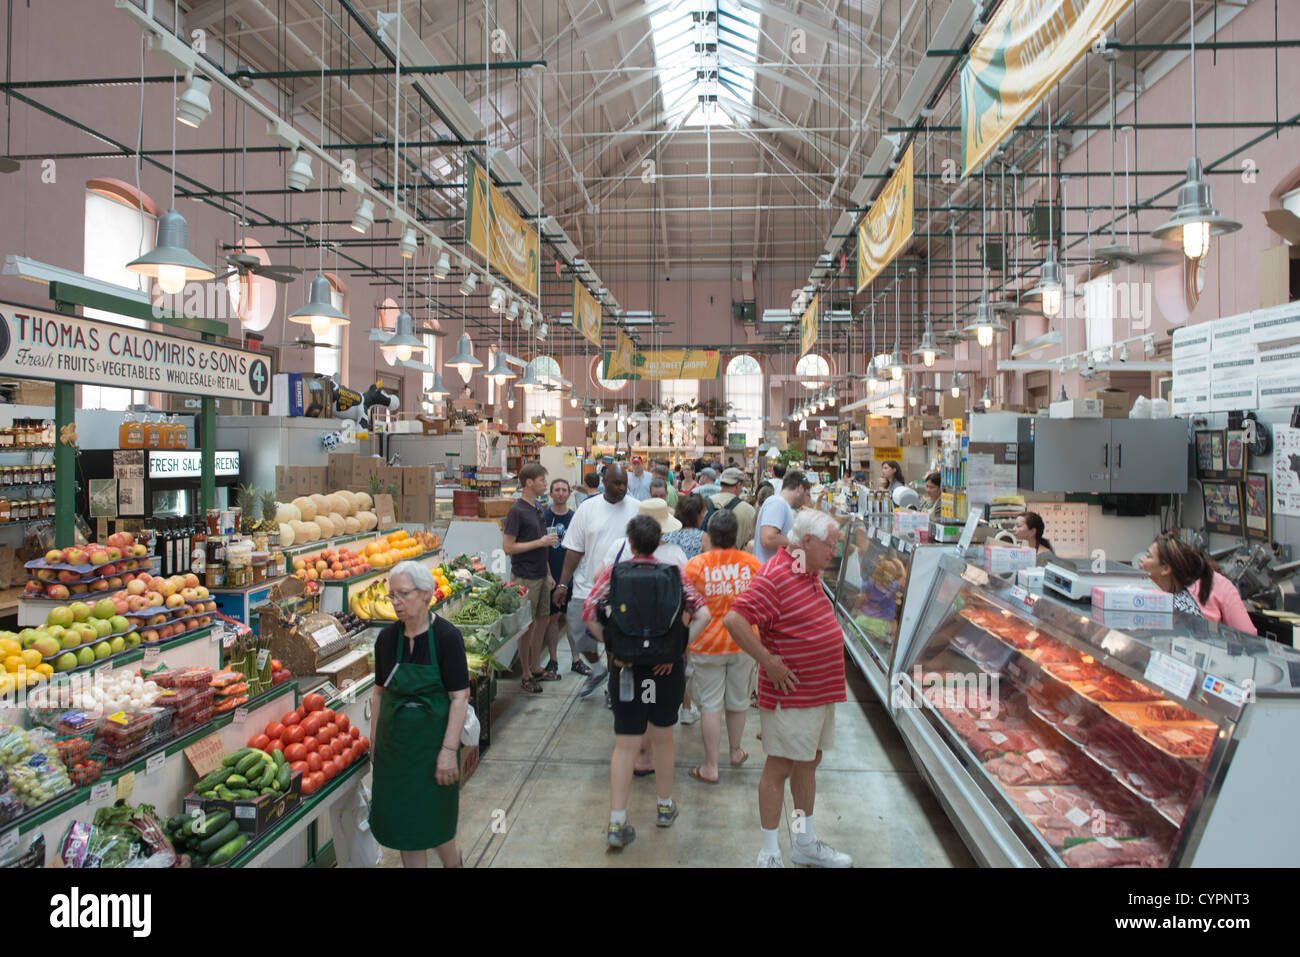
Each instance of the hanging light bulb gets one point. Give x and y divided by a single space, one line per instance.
927 350
319 313
170 262
364 217
463 361
501 371
402 343
830 399
1195 219
896 364
573 402
436 389
911 396
510 402
193 105
987 398
408 244
530 383
956 385
985 324
1050 288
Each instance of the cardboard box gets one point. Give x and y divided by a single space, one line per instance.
1031 578
881 436
998 559
1075 409
1115 403
252 816
340 470
390 476
314 479
1131 599
432 426
287 396
931 422
912 434
950 408
417 480
1279 265
415 510
1126 620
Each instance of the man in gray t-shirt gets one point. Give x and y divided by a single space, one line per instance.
777 514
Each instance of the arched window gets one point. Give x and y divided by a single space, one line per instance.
544 401
743 388
610 385
119 227
813 371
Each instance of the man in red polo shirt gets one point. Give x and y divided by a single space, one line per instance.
800 680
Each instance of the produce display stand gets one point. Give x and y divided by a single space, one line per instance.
236 602
335 595
311 548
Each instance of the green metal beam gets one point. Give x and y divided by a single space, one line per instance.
71 294
207 451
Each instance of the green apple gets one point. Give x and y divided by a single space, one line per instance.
85 656
27 636
80 610
70 639
117 644
132 639
102 650
47 646
66 662
88 633
120 624
59 616
104 608
102 627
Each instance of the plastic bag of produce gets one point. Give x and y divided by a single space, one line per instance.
354 845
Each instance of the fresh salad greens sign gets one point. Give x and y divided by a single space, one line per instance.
35 344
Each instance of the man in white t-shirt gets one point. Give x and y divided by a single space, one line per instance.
778 476
598 522
777 515
667 552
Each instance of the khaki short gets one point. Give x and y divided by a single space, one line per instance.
797 733
722 681
538 597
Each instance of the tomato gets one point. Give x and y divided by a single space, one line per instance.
275 746
328 715
313 702
296 752
365 745
259 741
314 761
290 719
326 752
343 722
299 767
312 723
355 733
302 711
275 730
294 734
311 744
318 780
333 729
309 784
329 771
339 765
351 754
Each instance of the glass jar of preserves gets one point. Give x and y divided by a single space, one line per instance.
182 434
49 473
129 433
214 575
4 510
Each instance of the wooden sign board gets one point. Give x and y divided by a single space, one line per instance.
205 756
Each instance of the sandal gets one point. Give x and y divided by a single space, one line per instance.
580 667
641 774
743 759
552 668
545 676
531 686
697 773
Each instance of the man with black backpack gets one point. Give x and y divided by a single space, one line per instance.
729 498
645 612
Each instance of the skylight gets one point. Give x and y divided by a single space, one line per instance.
706 51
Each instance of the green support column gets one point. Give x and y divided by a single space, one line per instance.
207 450
65 465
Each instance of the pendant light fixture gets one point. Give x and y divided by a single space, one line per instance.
927 350
497 299
408 244
443 269
1051 288
463 361
501 372
912 396
436 389
985 324
403 343
987 398
1195 219
958 380
193 105
364 217
529 383
468 284
319 313
299 176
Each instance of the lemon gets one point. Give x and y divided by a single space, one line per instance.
31 657
45 669
9 646
13 663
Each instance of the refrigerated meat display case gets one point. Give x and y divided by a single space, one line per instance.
878 588
1055 736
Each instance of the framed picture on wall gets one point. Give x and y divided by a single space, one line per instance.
1209 454
1234 455
1223 507
1257 506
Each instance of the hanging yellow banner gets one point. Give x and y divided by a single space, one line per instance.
808 326
1026 48
664 364
514 242
619 363
586 314
887 227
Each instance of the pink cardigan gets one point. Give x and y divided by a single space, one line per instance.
1225 605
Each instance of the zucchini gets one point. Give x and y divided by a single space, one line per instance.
210 781
231 760
284 778
210 824
227 850
218 838
269 775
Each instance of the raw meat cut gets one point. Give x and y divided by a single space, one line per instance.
1047 652
1111 687
1143 852
1168 711
1016 769
1180 740
1060 813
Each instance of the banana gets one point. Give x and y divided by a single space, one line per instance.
384 609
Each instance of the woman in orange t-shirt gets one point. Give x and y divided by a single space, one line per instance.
723 674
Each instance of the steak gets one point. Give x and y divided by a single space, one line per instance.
1143 852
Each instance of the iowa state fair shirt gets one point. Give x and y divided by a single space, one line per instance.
796 622
720 575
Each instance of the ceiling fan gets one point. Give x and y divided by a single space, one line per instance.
307 342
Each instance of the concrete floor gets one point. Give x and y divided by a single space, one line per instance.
540 797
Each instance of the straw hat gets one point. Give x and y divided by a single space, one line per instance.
657 508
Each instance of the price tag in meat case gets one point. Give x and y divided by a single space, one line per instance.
1109 843
1077 816
1035 795
1024 596
1036 756
1176 677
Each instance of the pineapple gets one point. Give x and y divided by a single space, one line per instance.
269 523
247 499
376 486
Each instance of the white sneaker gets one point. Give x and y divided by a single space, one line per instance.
770 860
819 854
688 715
599 675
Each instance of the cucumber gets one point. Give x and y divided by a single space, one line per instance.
278 757
266 791
198 860
211 824
230 760
208 794
236 781
210 781
225 793
176 822
227 851
245 794
246 766
269 776
284 778
218 838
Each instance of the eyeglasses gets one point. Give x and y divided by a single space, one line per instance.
404 596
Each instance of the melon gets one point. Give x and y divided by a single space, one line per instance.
313 531
286 535
369 521
326 526
363 501
299 529
322 503
338 503
285 513
306 508
351 525
351 499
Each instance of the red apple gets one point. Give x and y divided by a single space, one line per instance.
149 635
59 592
100 585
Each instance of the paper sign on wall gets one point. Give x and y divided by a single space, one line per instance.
205 756
384 511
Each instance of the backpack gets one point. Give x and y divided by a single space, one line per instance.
730 507
644 608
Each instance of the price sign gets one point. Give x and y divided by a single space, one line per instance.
205 756
957 425
125 785
101 791
1038 797
151 656
8 841
241 715
262 657
1036 756
1176 677
1077 816
1024 596
1109 843
323 636
155 762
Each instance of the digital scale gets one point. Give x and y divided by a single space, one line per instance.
1078 583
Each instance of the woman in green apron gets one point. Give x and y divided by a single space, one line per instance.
417 714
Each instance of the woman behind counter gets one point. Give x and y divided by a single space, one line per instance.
934 495
1195 582
419 706
1029 529
891 475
